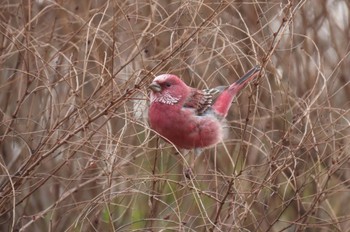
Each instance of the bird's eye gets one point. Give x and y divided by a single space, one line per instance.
167 84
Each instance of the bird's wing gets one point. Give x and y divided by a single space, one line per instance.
201 100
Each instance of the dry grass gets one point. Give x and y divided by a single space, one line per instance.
77 153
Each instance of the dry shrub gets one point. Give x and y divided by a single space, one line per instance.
77 153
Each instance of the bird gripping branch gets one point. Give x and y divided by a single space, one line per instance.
187 117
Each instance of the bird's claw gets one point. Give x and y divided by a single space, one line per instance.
188 173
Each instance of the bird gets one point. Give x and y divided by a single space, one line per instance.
190 118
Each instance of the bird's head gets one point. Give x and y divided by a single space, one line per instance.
168 89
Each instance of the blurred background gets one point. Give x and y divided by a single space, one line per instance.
76 151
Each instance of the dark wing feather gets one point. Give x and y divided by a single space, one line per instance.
201 100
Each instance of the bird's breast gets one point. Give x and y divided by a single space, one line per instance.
183 127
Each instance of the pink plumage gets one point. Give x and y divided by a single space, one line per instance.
186 116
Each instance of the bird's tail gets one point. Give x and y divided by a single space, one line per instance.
224 100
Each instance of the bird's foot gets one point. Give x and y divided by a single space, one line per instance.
188 172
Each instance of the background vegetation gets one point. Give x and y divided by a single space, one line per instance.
77 153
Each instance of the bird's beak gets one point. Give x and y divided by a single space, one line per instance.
155 87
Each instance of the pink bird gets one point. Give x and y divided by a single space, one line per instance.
185 116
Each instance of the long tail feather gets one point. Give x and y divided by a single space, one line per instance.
224 101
